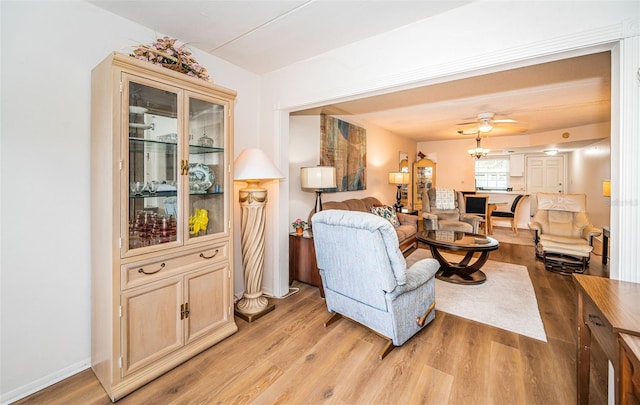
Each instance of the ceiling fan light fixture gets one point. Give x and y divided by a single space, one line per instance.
485 126
478 152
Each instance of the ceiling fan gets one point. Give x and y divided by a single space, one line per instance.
485 123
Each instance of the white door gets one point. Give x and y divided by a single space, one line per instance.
545 174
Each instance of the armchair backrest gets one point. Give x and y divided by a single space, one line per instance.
358 255
429 205
562 214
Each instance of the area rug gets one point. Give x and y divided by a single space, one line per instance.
506 300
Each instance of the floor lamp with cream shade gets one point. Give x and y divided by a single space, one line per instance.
252 166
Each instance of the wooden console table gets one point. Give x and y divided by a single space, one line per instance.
606 308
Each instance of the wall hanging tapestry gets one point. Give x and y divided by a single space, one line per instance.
344 146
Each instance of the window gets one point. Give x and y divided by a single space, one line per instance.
492 173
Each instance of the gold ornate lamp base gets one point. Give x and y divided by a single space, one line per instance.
253 304
252 317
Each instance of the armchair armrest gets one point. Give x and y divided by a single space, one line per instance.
430 221
589 232
535 226
417 275
472 220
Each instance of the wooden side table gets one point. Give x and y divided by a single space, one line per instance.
302 260
606 308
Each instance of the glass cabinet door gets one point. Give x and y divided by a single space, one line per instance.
152 165
206 170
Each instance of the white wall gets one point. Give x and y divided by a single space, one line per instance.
588 167
48 51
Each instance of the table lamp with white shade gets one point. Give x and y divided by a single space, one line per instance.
252 166
318 178
399 179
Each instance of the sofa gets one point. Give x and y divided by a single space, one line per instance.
406 231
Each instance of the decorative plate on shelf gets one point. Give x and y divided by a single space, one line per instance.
137 110
200 177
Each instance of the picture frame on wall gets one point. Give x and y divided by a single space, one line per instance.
344 146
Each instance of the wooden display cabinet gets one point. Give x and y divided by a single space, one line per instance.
161 248
424 178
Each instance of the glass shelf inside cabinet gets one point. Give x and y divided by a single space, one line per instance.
197 149
142 145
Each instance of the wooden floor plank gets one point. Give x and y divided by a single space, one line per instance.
505 385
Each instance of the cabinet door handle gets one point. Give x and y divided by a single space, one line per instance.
210 257
594 320
186 310
185 167
141 270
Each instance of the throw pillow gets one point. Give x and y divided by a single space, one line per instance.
388 213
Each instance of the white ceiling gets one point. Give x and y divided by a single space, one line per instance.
262 36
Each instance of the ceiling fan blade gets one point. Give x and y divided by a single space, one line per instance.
467 123
468 132
508 121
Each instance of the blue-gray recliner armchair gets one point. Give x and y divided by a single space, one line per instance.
365 276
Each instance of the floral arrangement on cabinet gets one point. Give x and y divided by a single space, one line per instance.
166 52
299 225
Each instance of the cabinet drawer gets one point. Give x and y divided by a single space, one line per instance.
156 268
600 328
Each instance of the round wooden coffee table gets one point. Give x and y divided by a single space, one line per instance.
462 272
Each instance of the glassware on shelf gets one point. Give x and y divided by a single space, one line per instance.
152 186
137 187
205 141
149 228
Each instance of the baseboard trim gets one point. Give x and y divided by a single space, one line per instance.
44 382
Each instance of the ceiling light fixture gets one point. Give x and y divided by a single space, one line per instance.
485 126
479 151
485 122
551 152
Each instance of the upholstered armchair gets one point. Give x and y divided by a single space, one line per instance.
563 232
451 217
365 278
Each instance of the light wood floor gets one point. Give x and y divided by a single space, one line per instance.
288 357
